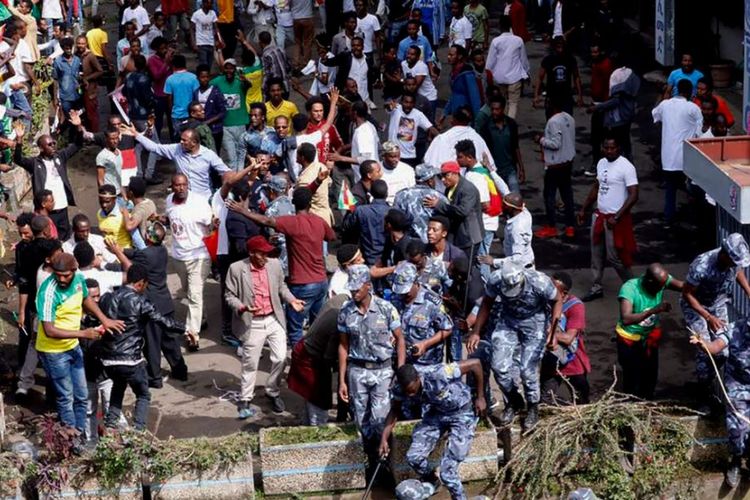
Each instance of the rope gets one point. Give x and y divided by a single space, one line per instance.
719 378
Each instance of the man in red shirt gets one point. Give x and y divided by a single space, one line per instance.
705 92
331 140
159 68
601 70
566 356
305 234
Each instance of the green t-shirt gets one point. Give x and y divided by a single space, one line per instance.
477 18
235 99
634 293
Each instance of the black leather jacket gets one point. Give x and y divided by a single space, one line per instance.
135 310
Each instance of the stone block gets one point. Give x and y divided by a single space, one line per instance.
217 484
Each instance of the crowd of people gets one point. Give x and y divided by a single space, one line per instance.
264 195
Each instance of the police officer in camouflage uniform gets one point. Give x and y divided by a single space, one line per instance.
409 200
423 321
524 296
280 205
447 410
705 295
432 273
368 327
736 342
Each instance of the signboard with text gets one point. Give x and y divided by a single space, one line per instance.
664 32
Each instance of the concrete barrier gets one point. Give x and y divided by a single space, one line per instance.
91 490
217 484
304 467
480 463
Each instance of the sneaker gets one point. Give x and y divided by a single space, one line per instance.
532 418
590 172
494 403
239 351
594 293
245 411
546 232
570 232
277 404
509 413
22 392
230 340
371 105
732 475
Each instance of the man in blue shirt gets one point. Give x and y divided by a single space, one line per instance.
414 38
368 221
179 88
685 71
65 71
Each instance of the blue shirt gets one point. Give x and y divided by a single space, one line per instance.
181 86
370 334
368 221
66 72
677 75
420 42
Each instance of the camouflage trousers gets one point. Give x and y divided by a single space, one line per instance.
703 369
370 400
508 335
737 429
459 431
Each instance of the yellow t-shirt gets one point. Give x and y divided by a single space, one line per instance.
63 307
112 224
254 75
286 108
226 11
97 37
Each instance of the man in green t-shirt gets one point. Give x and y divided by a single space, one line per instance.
638 331
237 118
60 302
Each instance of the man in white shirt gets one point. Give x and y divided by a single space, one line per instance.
404 124
365 140
412 66
138 15
443 147
190 217
397 174
368 26
615 192
509 64
518 234
681 120
558 149
204 32
22 63
460 32
81 226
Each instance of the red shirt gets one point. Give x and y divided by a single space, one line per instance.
575 318
331 140
518 21
261 291
305 234
159 71
721 107
169 7
600 73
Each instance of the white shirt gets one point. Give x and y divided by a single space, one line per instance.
460 31
284 13
615 177
139 16
54 183
189 221
219 209
331 71
427 88
51 9
365 142
21 55
517 240
313 138
491 223
204 26
398 178
403 127
338 284
97 243
108 280
443 147
507 59
681 120
358 73
368 26
557 29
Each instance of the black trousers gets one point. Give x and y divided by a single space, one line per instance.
158 341
229 35
123 376
224 262
61 221
559 179
640 368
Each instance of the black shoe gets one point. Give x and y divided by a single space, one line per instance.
277 404
732 475
193 347
532 417
509 413
432 479
180 374
79 446
593 295
155 384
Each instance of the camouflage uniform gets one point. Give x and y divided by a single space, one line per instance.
420 320
435 275
413 489
409 201
369 362
520 319
278 207
737 382
446 400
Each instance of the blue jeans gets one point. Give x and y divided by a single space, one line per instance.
484 249
511 179
314 295
21 103
65 369
674 182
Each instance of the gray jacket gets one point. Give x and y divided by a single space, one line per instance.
239 293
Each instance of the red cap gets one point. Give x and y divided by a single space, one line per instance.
259 244
450 167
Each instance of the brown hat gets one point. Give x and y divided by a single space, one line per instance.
63 262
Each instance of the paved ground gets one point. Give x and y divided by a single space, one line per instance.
200 406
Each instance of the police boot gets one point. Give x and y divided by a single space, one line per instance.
532 417
513 403
732 475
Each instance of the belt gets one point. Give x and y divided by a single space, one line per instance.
371 365
262 316
560 165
